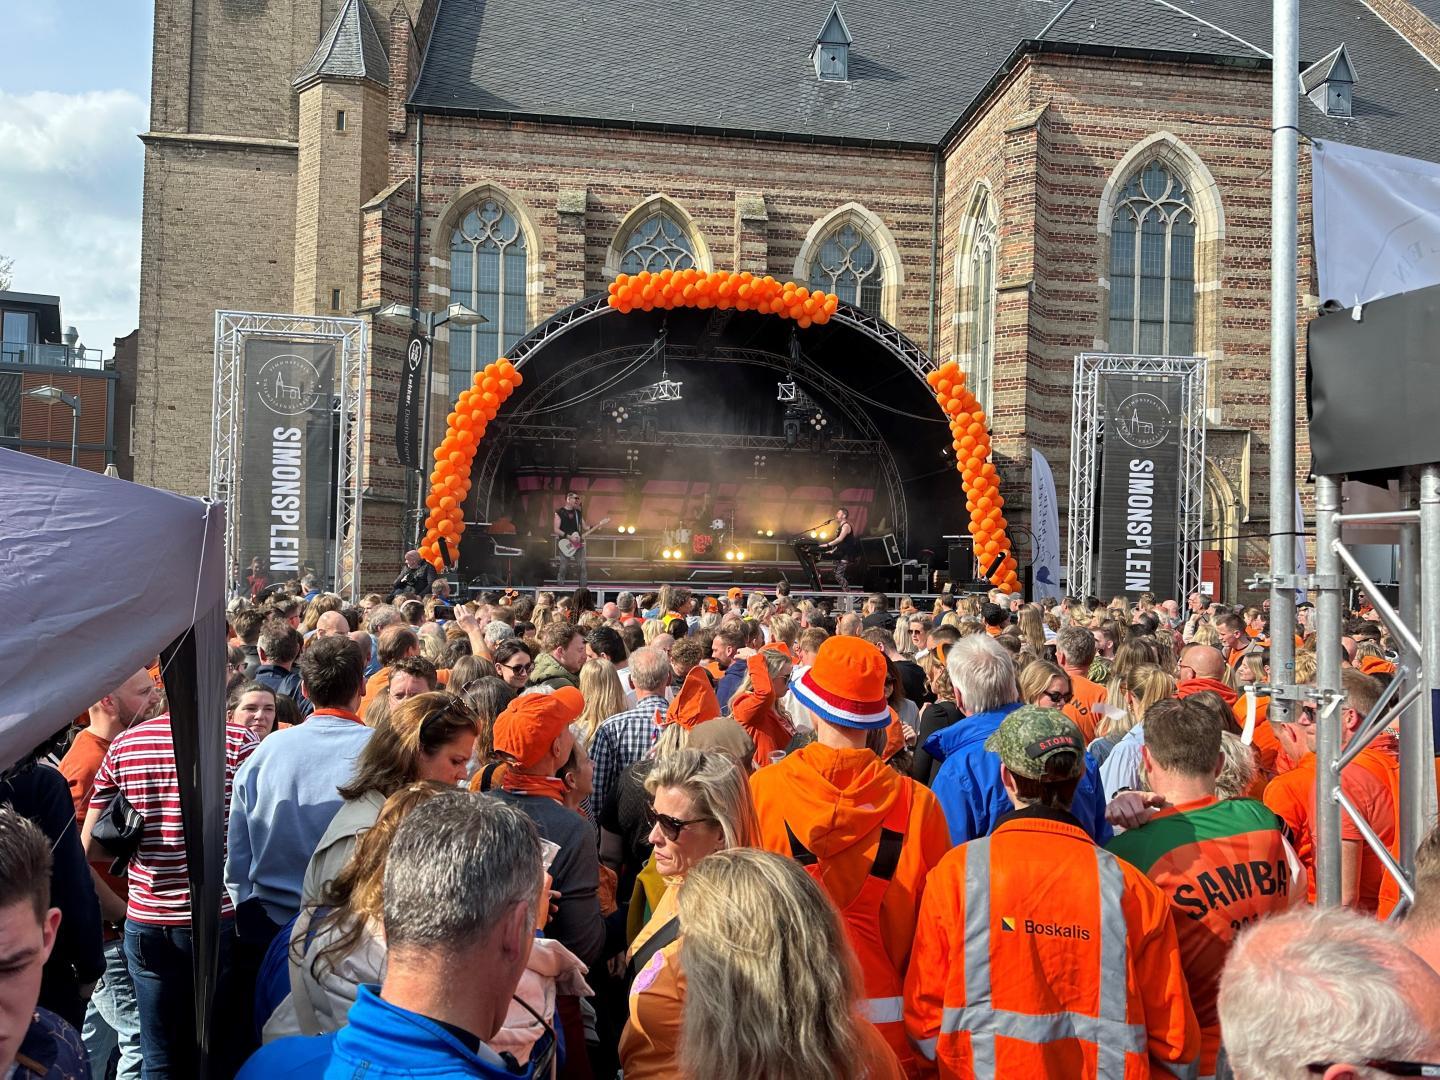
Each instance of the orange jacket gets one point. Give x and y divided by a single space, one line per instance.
755 710
1040 955
1085 695
837 806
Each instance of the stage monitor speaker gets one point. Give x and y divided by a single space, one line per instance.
962 562
885 579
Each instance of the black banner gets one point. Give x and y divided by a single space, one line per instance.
1139 486
407 405
285 484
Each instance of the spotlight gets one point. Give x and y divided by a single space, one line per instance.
769 533
730 555
814 535
665 553
739 556
630 529
621 529
759 532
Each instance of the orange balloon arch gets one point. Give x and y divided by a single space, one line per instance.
970 439
669 289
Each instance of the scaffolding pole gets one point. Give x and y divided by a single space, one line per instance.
1284 196
1329 616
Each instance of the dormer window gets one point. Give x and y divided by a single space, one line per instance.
832 48
1330 84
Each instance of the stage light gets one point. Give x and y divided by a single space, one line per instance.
621 529
630 529
769 533
739 556
730 555
814 535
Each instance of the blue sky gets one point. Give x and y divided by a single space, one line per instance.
74 94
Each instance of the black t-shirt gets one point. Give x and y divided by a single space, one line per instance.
569 521
849 547
935 717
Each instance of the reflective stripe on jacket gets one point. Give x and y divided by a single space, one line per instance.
1039 954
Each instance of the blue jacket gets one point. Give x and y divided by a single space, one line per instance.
381 1042
969 788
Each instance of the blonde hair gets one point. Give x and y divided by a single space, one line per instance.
1147 684
776 663
1032 628
1238 767
604 697
786 629
650 629
1036 676
717 786
1205 634
771 982
901 637
937 677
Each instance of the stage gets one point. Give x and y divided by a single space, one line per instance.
707 440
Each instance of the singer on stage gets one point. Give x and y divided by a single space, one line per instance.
569 530
844 549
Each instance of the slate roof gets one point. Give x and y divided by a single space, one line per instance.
1322 70
350 49
916 66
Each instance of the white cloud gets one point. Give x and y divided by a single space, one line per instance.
70 183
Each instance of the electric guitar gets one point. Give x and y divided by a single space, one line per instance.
570 545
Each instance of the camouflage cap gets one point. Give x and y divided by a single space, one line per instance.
1031 735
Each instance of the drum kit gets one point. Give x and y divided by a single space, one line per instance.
701 540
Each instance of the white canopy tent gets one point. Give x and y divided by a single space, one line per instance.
98 577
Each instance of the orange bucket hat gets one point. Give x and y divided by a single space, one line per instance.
846 684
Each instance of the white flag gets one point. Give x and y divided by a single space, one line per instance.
1377 222
1045 520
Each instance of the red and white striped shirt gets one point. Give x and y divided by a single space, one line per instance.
141 763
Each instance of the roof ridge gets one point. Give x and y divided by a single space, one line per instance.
362 56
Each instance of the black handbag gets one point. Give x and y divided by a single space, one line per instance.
119 831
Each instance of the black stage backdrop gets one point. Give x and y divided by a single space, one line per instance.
285 484
1139 485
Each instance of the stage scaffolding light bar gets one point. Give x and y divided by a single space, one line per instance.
1086 428
351 338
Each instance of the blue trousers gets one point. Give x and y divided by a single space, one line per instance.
159 958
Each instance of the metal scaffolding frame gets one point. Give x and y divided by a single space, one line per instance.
1407 704
1086 427
232 329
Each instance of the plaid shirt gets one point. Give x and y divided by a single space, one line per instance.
621 741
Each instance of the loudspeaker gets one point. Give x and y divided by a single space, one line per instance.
962 561
880 550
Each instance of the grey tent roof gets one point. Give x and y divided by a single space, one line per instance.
350 49
915 67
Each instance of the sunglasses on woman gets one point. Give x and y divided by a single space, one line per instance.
670 827
1058 699
518 669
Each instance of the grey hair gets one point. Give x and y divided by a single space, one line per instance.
710 620
381 616
1320 984
496 632
982 673
457 863
1077 643
649 667
1237 769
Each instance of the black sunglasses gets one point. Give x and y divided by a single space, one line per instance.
518 669
1393 1068
671 827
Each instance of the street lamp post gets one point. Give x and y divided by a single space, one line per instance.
426 323
53 395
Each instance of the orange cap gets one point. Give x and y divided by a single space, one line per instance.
532 722
696 701
1372 665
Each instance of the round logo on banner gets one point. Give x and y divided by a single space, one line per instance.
288 384
1142 420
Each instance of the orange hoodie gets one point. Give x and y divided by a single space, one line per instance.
834 801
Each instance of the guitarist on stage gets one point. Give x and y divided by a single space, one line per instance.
570 525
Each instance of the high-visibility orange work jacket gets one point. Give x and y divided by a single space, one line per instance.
869 836
1038 955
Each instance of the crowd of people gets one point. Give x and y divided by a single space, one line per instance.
727 837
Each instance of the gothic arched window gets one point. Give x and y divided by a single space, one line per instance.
982 302
659 242
845 264
488 272
1152 266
